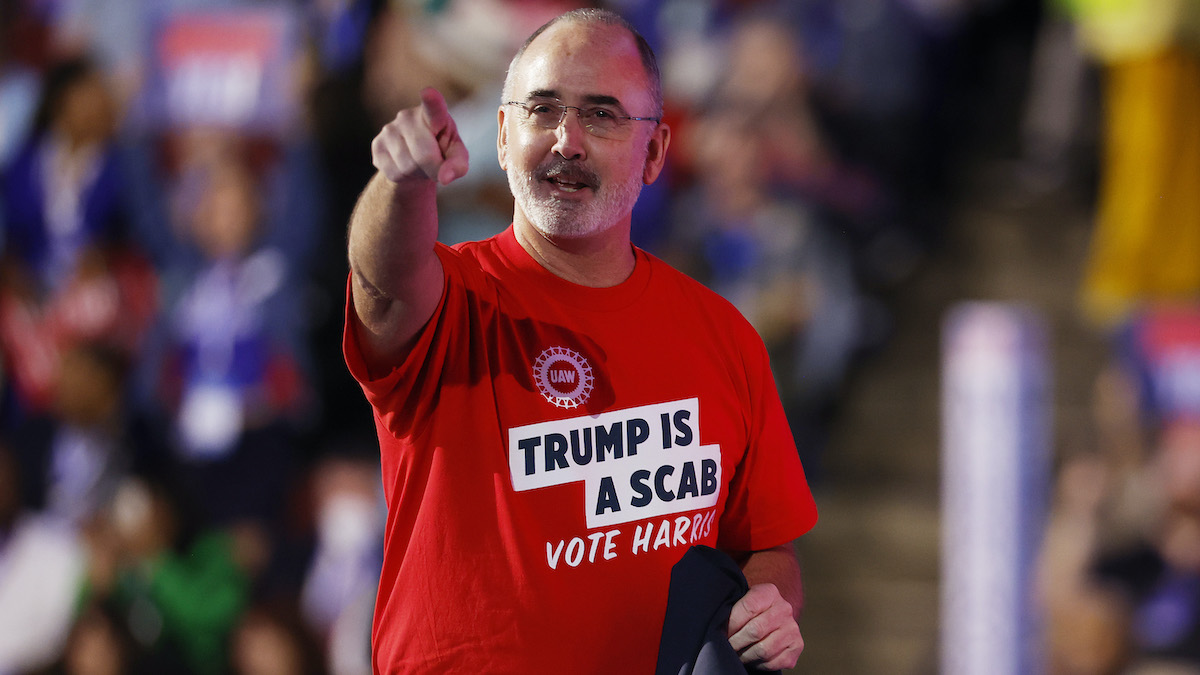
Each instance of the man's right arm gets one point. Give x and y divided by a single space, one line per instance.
396 277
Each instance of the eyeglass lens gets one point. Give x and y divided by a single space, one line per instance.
598 120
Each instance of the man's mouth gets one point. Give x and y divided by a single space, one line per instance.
569 177
567 186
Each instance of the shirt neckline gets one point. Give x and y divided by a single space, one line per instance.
576 295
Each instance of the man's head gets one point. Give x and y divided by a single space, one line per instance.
576 179
600 17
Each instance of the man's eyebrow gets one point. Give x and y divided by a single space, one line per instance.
542 93
590 99
600 99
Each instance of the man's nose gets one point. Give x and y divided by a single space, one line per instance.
569 136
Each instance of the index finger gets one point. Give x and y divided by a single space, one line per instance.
434 110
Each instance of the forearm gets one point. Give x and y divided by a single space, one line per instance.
777 566
396 277
393 228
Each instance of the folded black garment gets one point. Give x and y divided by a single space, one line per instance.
705 584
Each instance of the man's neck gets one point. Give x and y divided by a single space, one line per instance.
602 260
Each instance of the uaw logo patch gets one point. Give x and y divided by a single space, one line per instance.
564 377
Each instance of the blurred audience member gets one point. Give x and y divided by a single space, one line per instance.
233 340
180 588
62 192
344 572
755 224
79 451
68 273
1121 563
1146 243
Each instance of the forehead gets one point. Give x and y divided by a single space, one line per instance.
578 61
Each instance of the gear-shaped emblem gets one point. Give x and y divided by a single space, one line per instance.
563 376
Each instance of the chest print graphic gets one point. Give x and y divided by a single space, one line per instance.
564 377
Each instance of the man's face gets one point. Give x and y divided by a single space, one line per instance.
567 182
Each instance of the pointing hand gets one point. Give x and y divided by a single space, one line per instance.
421 143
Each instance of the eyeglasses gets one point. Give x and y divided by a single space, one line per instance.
599 121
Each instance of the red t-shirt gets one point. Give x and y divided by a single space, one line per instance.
550 450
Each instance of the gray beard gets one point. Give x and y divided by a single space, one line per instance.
562 218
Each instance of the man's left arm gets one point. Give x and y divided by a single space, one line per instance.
763 625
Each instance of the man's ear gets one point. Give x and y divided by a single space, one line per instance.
656 152
501 140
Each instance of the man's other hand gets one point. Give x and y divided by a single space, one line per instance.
763 629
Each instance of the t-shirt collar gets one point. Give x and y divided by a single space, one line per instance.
578 296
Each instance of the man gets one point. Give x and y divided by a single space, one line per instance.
560 414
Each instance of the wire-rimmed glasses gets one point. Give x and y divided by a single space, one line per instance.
598 120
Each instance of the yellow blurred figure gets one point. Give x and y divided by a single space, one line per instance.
1146 244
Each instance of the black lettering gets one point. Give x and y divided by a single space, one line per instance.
607 500
636 432
609 440
666 430
708 476
684 436
660 487
637 481
581 455
687 481
529 445
556 452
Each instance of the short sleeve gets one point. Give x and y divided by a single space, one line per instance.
406 394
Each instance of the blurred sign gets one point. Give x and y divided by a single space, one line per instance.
227 68
995 469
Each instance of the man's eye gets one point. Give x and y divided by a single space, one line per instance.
602 114
541 109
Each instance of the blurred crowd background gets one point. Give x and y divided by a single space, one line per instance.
188 476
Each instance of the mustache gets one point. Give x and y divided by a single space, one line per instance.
568 171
